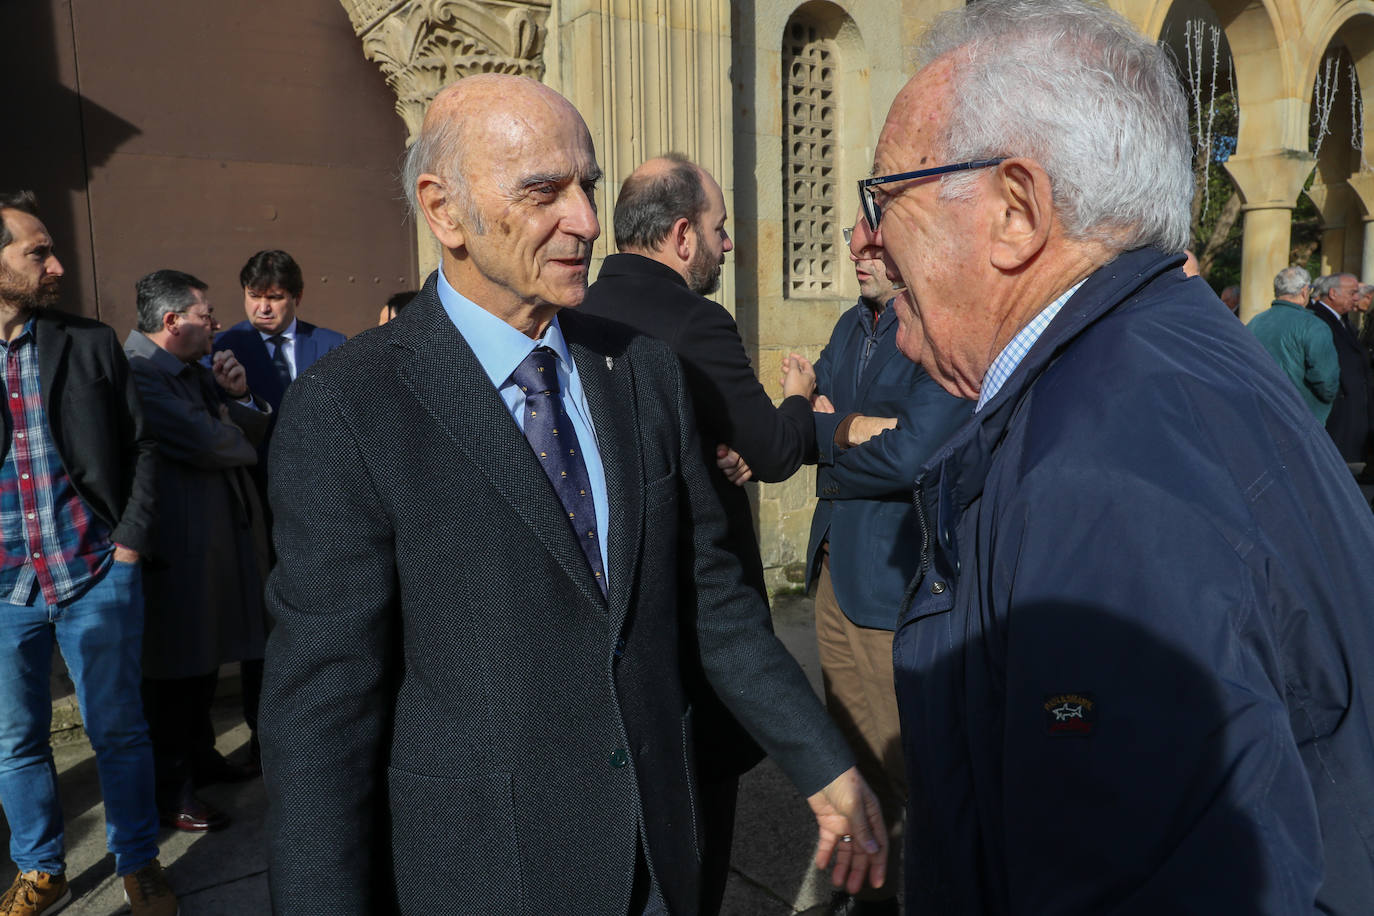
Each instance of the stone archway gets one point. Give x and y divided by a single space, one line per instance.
423 45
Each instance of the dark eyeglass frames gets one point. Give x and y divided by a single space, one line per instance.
873 213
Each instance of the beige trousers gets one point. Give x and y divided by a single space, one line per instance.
856 664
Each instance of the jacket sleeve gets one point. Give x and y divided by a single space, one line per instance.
826 423
773 440
887 464
1323 370
135 524
1143 703
184 428
330 657
748 667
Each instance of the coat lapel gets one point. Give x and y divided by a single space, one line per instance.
883 349
608 385
441 371
53 341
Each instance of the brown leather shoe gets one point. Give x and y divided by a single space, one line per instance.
147 893
35 893
194 815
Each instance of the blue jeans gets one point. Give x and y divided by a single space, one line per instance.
101 637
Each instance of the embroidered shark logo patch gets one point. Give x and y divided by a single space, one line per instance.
1070 715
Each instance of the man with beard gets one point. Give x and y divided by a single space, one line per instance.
670 231
76 508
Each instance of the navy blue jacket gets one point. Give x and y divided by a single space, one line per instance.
312 342
864 508
1135 676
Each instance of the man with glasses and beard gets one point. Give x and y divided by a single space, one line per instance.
670 232
76 508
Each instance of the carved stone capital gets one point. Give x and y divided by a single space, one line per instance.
423 45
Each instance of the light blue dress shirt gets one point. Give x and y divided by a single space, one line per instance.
500 348
1016 349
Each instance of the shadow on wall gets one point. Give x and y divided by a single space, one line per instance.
55 137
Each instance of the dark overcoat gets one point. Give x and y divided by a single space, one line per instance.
454 718
204 572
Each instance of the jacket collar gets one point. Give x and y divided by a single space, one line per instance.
965 459
626 264
140 344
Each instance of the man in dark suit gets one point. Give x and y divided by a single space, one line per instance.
473 699
76 509
881 416
272 344
1352 413
670 232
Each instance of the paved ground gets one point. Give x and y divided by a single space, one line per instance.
225 873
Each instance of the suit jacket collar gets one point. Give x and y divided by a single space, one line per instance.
439 368
626 264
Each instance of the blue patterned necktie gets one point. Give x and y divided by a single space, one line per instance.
555 444
279 362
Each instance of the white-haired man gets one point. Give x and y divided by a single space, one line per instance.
1299 342
1133 677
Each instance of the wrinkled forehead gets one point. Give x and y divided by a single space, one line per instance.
911 135
536 134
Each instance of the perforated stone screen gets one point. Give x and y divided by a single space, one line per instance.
809 171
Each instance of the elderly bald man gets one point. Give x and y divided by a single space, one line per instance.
474 699
1134 676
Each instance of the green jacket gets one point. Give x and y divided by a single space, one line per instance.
1302 344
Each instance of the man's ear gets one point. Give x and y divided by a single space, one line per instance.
169 323
437 206
682 239
1025 210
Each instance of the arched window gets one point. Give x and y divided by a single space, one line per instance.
809 158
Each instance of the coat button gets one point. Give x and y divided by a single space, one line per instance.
937 588
619 647
619 758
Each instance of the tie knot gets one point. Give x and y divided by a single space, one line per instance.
277 340
537 372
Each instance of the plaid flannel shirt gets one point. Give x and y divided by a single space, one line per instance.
49 534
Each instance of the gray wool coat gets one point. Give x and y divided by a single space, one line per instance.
203 576
454 719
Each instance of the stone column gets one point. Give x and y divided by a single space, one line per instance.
1332 202
423 45
1362 185
650 77
1269 185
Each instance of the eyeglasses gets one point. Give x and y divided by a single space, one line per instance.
848 233
873 213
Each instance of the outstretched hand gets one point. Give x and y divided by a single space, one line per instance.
847 807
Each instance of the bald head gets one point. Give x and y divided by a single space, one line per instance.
656 195
505 176
484 112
